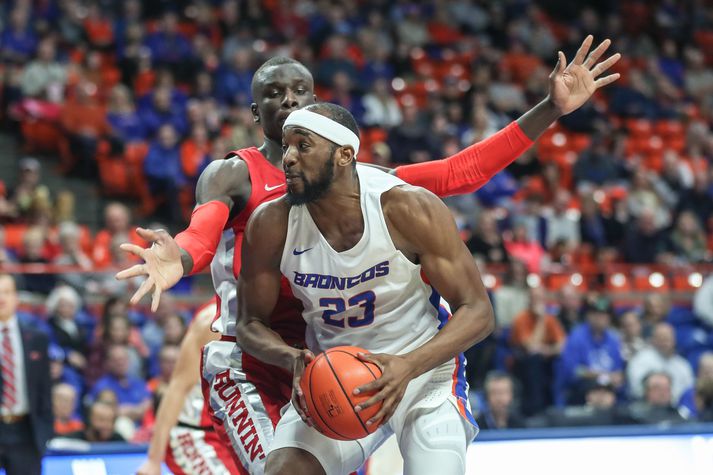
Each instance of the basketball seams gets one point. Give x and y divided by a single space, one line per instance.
349 399
311 396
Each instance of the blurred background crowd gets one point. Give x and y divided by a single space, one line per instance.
595 244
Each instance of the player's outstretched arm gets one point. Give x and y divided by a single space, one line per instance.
169 259
423 228
185 375
571 85
258 291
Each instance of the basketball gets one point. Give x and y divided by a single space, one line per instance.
328 384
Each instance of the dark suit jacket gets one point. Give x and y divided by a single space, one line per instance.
39 386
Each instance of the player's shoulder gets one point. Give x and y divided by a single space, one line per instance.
270 217
224 178
408 205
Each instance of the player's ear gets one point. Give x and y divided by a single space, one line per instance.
256 113
345 156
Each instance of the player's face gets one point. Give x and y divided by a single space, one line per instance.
281 90
308 160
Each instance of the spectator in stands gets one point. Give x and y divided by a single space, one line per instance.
644 241
676 173
499 411
162 167
408 141
28 191
124 122
83 122
63 374
658 405
343 93
162 111
698 199
153 331
657 309
487 240
649 193
123 425
63 306
631 332
537 339
232 81
689 403
45 77
132 393
381 109
592 224
570 307
592 352
100 424
33 243
597 164
562 223
18 40
513 296
117 222
174 328
687 241
118 331
660 357
73 255
169 47
64 401
195 152
522 246
167 358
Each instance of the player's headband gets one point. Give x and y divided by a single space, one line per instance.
324 127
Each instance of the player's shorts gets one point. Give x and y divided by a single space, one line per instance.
195 451
433 426
244 398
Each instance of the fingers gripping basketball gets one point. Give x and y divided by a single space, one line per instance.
328 384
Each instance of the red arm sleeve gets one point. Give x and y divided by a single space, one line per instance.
472 167
200 240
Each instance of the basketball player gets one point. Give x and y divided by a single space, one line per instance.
354 243
192 446
227 193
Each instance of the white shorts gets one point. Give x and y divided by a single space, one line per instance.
244 400
193 451
433 426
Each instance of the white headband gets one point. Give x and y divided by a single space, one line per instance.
324 127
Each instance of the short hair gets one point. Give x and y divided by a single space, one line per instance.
337 113
63 292
274 61
496 375
651 374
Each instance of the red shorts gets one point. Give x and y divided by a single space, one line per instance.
193 451
244 398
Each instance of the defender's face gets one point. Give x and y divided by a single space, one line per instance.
281 90
308 162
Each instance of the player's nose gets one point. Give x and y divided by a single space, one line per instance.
290 100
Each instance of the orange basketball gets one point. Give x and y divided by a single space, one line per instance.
328 384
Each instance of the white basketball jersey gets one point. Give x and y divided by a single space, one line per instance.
192 410
369 296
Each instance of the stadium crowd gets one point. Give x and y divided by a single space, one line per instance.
140 96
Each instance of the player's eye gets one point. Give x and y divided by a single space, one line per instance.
284 147
301 91
273 93
304 145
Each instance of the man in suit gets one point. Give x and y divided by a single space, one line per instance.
25 389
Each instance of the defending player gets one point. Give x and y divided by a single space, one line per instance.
354 243
228 191
192 446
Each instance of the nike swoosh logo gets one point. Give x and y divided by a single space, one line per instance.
297 253
270 188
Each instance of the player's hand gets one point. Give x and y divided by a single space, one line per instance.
571 85
149 467
396 373
162 265
298 397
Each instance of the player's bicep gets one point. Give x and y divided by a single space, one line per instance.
221 181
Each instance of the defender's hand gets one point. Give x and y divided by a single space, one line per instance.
298 398
162 265
396 373
571 85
